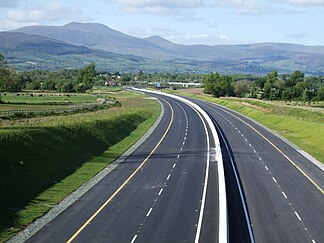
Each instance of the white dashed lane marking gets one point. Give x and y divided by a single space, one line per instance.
284 194
149 212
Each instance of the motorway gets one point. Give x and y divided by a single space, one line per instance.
155 195
283 190
167 190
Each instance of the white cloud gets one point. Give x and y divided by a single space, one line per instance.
245 6
205 39
40 14
158 4
308 3
151 31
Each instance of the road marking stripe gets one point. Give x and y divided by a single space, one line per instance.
160 192
178 156
149 212
127 180
266 167
298 216
274 179
284 194
273 145
134 238
168 177
203 198
174 165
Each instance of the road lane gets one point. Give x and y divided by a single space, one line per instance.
284 205
160 202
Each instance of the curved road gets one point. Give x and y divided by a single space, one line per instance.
153 196
157 193
283 190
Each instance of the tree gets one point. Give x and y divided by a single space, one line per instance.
218 85
7 77
243 88
209 82
295 78
86 75
269 90
320 94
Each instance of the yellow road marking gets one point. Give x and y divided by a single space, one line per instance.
128 179
265 138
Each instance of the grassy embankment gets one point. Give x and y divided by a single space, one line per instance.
303 127
44 159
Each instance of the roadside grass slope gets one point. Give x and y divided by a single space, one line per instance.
304 128
44 161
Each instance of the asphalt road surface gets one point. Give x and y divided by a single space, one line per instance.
283 190
154 196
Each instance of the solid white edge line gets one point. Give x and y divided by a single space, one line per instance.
240 191
134 238
222 207
203 199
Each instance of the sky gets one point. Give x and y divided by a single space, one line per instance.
210 22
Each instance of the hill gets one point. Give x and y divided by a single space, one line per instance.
96 41
27 51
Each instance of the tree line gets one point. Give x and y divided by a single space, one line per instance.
66 80
271 86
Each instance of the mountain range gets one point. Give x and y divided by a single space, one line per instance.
75 44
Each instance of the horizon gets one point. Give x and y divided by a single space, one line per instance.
186 22
229 44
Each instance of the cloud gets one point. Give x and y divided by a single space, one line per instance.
307 3
155 6
205 39
297 35
152 31
248 7
187 16
181 37
40 14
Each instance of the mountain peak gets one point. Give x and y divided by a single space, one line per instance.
93 27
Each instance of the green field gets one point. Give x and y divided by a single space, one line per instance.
302 126
45 158
41 98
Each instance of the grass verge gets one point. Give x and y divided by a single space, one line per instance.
302 127
44 162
